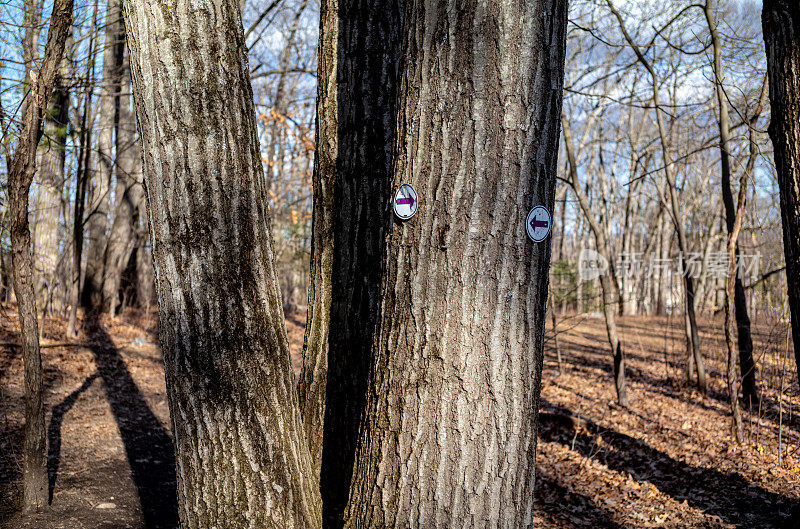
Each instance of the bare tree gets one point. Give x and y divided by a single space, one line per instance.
22 167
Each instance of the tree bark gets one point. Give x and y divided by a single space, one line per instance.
449 431
50 180
242 458
313 376
358 91
20 175
781 25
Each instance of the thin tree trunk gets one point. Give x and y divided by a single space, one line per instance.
242 458
20 175
609 302
313 376
81 181
129 193
450 425
781 25
100 189
745 340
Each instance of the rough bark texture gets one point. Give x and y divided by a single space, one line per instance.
50 180
364 48
781 24
449 431
242 459
313 376
129 193
100 189
20 175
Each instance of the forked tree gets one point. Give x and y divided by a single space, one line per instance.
438 423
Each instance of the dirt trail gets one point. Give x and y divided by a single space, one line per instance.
666 462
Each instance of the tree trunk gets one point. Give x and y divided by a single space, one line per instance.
313 376
745 340
50 180
100 190
449 431
20 175
242 458
781 21
129 192
81 179
357 98
609 301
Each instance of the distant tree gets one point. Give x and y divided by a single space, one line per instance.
781 25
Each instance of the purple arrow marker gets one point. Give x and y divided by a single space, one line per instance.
409 201
536 223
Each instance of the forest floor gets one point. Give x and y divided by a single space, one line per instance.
667 461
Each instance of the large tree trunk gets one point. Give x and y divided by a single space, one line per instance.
242 458
99 198
745 340
129 192
50 179
20 175
449 431
357 99
781 21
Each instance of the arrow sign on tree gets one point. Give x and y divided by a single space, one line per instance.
536 223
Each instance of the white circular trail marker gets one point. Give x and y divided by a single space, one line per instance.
406 202
538 224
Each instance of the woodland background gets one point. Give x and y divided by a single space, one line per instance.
639 183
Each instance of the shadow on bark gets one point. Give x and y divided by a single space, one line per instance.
148 447
727 495
54 433
365 112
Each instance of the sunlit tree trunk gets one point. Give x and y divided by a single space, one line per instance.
99 197
242 458
50 179
448 436
128 194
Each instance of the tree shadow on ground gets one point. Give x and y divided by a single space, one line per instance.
148 446
727 495
54 432
558 504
